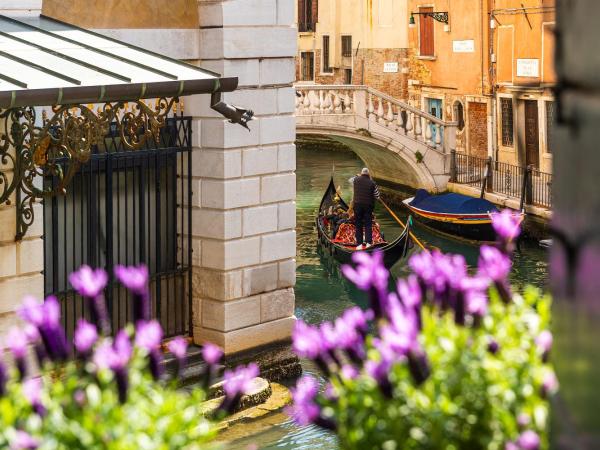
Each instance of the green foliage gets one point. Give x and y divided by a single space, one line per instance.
419 157
83 411
472 398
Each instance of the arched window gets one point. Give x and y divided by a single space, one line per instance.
459 115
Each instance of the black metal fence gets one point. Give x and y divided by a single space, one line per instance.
126 207
534 186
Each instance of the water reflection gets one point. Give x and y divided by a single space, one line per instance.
322 293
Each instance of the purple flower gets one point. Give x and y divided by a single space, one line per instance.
136 280
549 384
88 282
239 381
418 365
496 266
31 311
211 354
523 420
401 333
304 410
528 440
178 347
507 225
369 275
113 356
511 446
409 292
3 378
493 346
475 295
544 344
349 372
23 441
85 337
32 391
493 263
16 341
236 383
306 340
379 371
148 335
357 318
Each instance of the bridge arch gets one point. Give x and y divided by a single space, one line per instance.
400 143
388 161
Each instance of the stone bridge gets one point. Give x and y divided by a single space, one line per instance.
399 143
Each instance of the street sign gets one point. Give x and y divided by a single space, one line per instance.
390 67
467 46
529 68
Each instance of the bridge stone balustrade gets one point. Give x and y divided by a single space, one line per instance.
400 143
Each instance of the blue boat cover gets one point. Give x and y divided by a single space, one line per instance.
451 203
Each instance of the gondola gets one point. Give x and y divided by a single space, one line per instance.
454 214
343 249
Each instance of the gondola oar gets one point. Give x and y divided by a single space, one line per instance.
414 238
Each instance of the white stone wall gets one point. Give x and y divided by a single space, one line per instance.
244 210
20 7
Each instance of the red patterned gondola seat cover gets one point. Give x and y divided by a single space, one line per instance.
346 235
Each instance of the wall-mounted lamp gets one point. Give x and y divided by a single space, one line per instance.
439 16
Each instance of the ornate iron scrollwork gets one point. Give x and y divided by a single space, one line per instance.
62 143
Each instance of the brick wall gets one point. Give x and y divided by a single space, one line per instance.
372 60
477 128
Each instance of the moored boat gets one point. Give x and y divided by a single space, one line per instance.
454 214
343 245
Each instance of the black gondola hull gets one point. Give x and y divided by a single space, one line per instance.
392 252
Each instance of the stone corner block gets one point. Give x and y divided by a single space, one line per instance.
216 285
277 305
230 316
278 188
277 246
247 338
260 279
287 274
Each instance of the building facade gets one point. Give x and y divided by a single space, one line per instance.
354 42
491 69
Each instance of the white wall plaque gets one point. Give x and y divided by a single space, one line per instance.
467 46
390 67
529 68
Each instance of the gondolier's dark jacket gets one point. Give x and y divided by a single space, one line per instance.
365 190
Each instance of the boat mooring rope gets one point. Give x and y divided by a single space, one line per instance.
412 235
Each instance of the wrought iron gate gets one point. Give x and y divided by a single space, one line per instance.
126 207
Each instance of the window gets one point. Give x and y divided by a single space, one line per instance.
426 47
459 115
348 76
550 123
307 60
326 66
307 15
346 46
507 121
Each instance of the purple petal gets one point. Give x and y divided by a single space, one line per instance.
133 278
23 441
528 440
148 335
85 337
507 224
88 282
178 347
211 354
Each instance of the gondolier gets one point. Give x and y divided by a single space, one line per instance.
365 194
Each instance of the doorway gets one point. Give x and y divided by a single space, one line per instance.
434 107
532 134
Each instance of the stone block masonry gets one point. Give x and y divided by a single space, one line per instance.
245 187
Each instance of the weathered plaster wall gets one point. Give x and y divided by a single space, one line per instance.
124 13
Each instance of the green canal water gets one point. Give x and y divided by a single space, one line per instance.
322 294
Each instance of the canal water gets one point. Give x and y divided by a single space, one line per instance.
322 294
